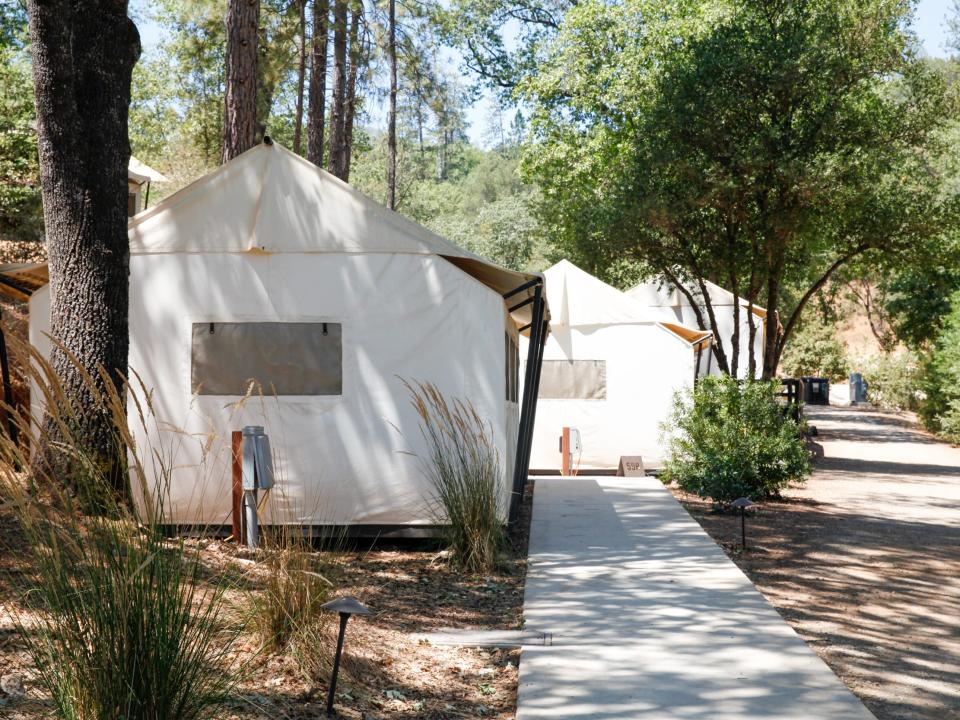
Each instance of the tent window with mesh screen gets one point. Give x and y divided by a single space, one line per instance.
276 358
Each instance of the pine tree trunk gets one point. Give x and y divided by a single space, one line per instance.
301 72
82 67
338 94
392 127
240 104
318 83
350 110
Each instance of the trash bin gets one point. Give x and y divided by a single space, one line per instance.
858 388
816 391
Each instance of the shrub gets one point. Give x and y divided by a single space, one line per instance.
728 440
894 381
940 379
123 625
466 478
816 352
294 586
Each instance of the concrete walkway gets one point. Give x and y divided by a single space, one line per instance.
651 620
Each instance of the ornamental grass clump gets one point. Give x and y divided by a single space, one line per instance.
466 478
121 623
729 440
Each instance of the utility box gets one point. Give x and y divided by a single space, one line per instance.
257 459
858 388
816 391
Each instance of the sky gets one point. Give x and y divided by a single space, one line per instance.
930 26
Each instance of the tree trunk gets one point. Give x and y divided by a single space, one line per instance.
318 83
392 127
338 94
82 67
346 149
301 72
240 103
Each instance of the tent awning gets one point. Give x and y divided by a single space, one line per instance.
698 339
18 281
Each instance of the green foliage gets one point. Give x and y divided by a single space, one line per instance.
481 205
119 638
21 212
122 624
894 380
770 143
940 407
729 440
466 478
919 299
815 351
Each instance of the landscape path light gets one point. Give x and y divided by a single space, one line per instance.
346 606
742 504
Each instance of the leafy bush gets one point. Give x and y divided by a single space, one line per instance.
466 478
728 440
940 408
123 625
894 381
815 351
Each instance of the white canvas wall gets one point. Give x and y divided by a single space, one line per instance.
667 303
646 365
340 459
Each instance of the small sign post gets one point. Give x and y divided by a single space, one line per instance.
631 466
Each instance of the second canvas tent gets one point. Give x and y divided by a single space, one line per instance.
611 371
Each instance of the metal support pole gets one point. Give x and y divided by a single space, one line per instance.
536 396
336 663
250 522
7 388
534 354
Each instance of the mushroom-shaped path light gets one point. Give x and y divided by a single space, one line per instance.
346 606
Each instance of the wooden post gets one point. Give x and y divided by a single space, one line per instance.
565 451
236 441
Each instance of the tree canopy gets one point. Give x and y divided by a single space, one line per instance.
760 145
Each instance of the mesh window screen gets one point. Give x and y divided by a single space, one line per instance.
573 379
299 358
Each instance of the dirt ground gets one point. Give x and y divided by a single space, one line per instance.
864 560
387 672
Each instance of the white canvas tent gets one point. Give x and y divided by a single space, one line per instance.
665 301
609 370
271 268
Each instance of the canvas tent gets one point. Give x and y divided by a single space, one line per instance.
665 301
270 268
609 370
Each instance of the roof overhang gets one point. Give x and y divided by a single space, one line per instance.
19 281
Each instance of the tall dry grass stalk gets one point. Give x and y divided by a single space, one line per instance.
466 477
120 622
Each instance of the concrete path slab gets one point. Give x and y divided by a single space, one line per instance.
651 620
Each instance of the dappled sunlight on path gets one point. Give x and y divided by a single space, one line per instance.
651 620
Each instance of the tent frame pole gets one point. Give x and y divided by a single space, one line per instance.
521 463
7 388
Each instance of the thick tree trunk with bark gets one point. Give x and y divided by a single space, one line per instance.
240 104
83 59
356 58
318 83
392 124
338 94
301 73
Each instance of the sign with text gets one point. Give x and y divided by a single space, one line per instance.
631 466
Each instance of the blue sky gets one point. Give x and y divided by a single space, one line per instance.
930 26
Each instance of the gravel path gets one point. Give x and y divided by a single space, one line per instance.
864 560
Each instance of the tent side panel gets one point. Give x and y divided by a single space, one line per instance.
645 366
340 459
